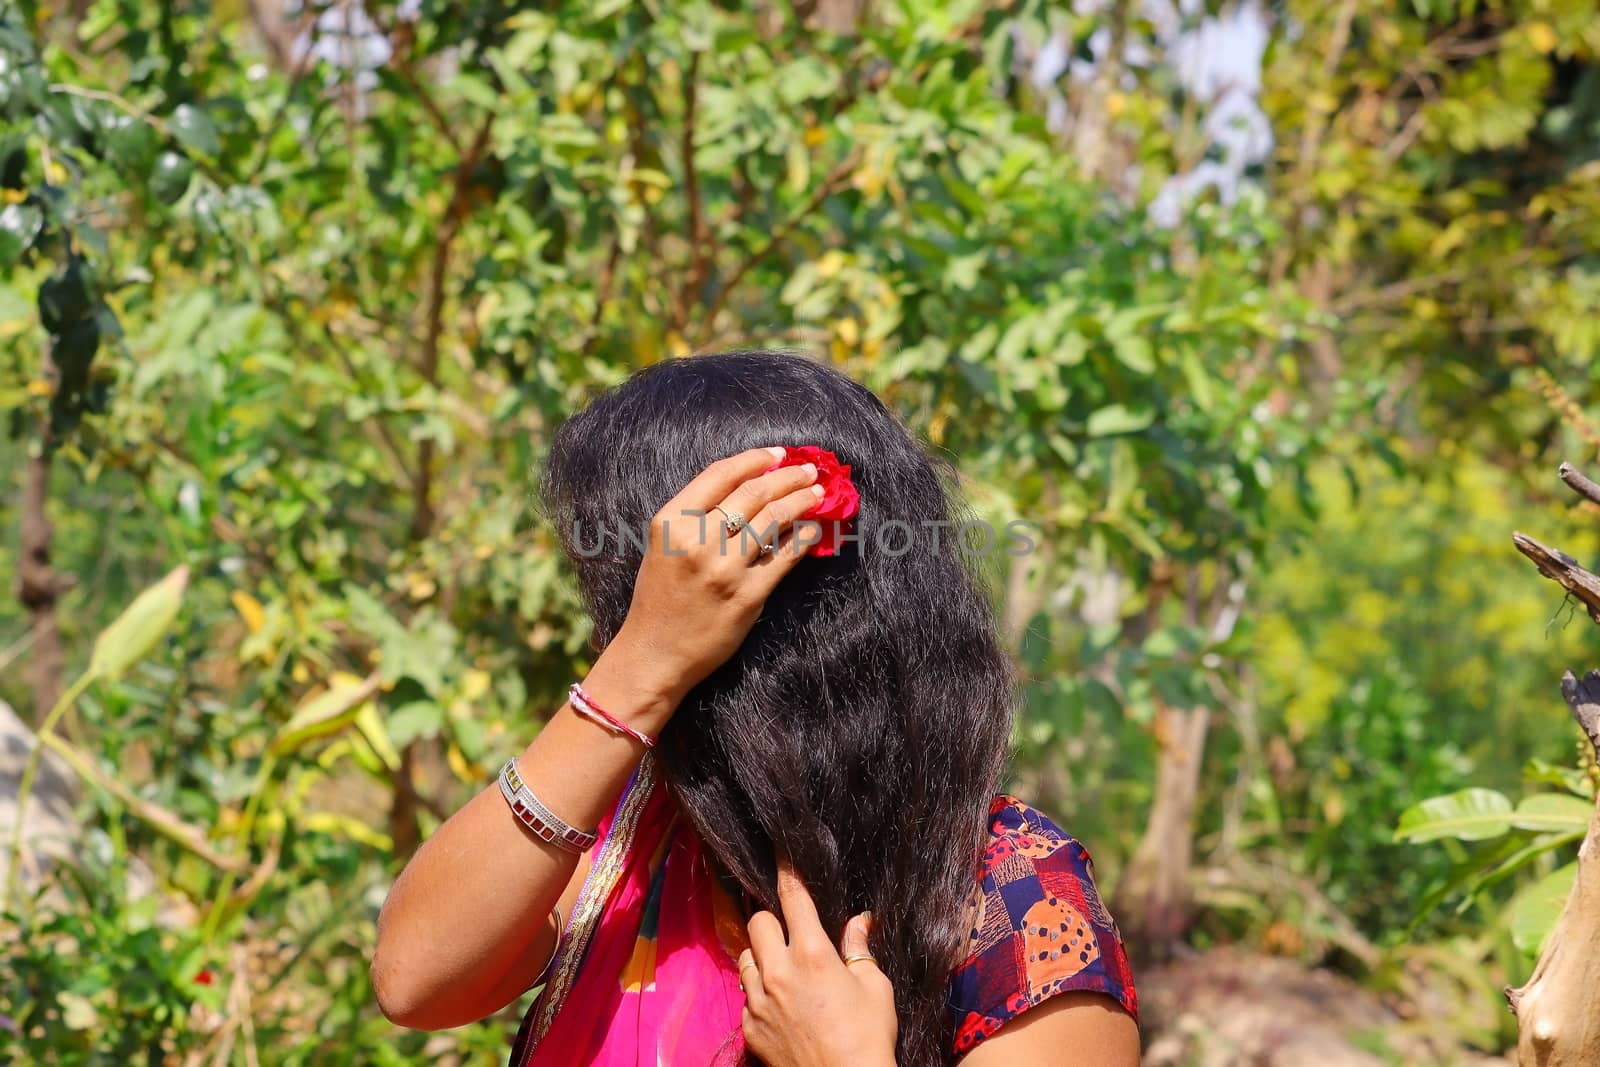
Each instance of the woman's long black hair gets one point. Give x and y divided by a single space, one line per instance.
863 725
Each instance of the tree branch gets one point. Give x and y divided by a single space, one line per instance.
158 818
422 513
830 185
1564 570
699 242
1584 700
1579 484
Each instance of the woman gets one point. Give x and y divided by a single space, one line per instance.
764 827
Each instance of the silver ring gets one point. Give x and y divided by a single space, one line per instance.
767 549
735 521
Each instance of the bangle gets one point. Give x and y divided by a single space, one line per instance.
531 812
555 950
585 706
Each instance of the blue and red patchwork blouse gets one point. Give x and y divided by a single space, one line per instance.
1038 927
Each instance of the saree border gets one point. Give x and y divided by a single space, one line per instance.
595 893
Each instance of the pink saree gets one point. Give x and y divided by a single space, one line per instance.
635 983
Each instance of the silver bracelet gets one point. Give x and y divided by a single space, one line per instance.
531 812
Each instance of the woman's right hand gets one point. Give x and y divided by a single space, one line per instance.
700 590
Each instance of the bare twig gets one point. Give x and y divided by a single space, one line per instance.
1562 569
1580 484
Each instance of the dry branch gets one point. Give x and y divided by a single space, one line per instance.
1580 484
1564 570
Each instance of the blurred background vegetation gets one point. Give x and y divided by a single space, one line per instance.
1274 317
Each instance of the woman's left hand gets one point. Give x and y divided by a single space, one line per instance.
804 1006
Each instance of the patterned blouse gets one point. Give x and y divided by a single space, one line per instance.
1038 927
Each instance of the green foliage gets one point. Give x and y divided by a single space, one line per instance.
305 330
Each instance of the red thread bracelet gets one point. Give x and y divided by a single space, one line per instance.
584 705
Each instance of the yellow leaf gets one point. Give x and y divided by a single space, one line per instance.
1116 104
249 609
676 343
1542 37
38 388
459 765
474 684
13 196
814 136
328 822
55 173
848 331
371 726
421 587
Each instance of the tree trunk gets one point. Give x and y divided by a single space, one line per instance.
1154 901
39 587
1558 1010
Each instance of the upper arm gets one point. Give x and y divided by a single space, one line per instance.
520 977
1097 1029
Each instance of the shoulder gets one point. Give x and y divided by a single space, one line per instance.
1037 927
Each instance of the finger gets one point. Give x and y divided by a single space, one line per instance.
750 496
787 552
799 910
855 940
766 939
719 479
771 521
755 994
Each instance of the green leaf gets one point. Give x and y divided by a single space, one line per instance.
1117 418
1533 912
19 228
1545 812
419 718
1135 353
326 713
136 631
1161 644
195 131
170 180
1468 815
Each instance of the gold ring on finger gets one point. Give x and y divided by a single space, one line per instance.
856 957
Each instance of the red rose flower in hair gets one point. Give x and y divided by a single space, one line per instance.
840 500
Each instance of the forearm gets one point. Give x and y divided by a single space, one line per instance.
479 891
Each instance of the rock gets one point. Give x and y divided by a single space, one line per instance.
52 832
1228 1007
